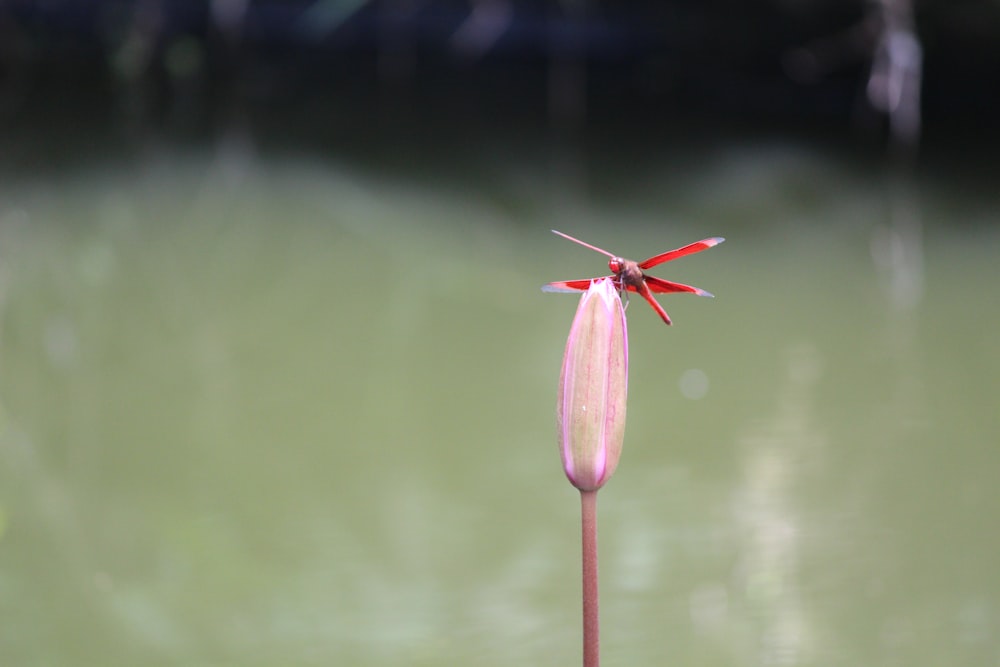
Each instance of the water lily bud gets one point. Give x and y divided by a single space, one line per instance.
592 388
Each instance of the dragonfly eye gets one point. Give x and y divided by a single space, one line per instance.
615 264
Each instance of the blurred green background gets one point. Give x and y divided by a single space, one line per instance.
303 414
270 403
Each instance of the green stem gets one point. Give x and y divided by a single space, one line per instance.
591 630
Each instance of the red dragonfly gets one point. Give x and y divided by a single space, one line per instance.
629 276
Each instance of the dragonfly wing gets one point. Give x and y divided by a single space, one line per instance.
569 285
689 249
584 244
661 286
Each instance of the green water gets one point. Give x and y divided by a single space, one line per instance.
291 411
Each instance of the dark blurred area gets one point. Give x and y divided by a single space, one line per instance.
339 71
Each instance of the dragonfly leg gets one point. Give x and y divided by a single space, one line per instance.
622 292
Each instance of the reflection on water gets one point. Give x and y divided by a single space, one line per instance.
294 413
769 573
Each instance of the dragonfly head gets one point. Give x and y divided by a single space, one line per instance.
617 265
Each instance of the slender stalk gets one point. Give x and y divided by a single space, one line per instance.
591 629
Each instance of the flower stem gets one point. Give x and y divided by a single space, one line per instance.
591 630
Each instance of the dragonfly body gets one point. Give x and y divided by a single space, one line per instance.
630 276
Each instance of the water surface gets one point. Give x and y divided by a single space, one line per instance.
289 410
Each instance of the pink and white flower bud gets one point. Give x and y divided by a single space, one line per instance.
593 387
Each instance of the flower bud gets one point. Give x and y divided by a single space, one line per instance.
592 388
